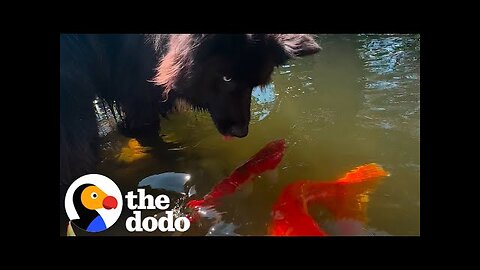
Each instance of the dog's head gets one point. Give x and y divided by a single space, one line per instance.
217 72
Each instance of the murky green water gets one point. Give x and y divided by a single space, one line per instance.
356 102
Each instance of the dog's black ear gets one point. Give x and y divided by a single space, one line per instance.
293 45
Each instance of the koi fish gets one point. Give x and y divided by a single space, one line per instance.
266 159
345 198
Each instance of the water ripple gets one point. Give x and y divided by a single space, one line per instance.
391 90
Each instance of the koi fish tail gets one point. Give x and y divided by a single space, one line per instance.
363 173
348 197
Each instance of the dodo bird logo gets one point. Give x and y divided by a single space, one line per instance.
93 202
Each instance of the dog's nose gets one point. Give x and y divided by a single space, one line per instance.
239 131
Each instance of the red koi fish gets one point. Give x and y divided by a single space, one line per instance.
346 197
266 159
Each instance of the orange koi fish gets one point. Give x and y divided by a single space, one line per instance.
345 198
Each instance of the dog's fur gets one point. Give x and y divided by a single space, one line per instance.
146 74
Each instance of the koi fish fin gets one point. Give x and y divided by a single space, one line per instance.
347 197
350 201
363 173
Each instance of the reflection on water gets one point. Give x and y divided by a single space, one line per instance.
263 99
107 116
357 101
392 91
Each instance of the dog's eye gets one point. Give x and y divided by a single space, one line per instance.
227 79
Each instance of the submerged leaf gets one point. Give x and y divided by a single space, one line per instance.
132 152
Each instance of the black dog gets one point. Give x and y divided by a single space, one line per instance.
147 74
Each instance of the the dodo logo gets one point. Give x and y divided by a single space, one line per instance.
93 202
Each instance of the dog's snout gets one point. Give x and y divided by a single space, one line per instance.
239 131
